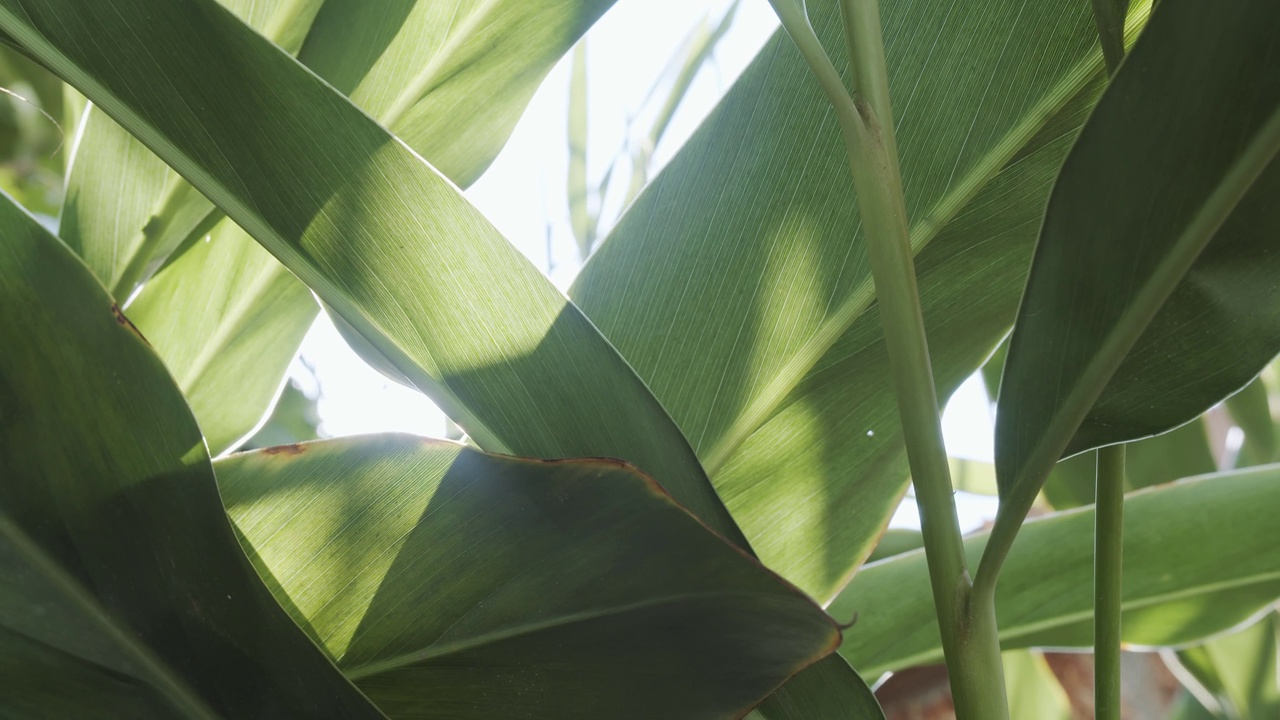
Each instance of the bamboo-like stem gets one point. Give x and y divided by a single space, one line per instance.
1108 549
969 639
1108 15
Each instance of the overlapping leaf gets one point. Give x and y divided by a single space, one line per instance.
738 287
227 319
381 237
123 590
830 690
1155 289
125 202
1198 560
451 583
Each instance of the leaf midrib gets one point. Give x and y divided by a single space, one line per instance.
396 662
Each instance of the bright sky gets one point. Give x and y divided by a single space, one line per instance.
524 195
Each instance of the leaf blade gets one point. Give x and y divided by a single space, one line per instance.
524 384
442 577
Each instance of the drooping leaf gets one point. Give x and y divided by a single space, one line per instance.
384 240
737 285
450 583
120 576
1153 293
229 345
1198 560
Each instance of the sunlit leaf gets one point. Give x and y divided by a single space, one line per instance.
384 240
450 583
229 344
737 285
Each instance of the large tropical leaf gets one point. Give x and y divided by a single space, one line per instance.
389 244
227 319
118 185
451 583
1198 557
1127 328
123 591
738 286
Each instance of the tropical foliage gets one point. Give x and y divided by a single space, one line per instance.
673 496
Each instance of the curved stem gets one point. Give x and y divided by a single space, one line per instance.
969 638
1107 571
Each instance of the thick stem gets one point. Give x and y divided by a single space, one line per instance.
1108 551
970 643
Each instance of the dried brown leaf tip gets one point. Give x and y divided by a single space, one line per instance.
126 322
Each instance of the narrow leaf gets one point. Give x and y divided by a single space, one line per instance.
1215 571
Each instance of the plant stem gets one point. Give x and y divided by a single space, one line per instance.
969 638
1109 17
1108 551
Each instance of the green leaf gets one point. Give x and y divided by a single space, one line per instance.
449 582
1033 689
829 690
1239 670
1154 461
229 345
384 240
118 567
1126 328
737 285
449 79
225 316
126 212
1213 572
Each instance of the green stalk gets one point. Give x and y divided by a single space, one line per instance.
1108 547
969 638
1109 16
